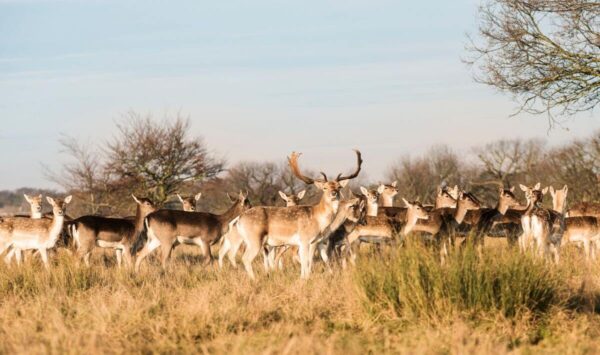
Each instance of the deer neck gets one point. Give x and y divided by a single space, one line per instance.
231 213
139 218
502 207
372 209
386 200
438 205
411 221
35 214
325 212
460 213
56 227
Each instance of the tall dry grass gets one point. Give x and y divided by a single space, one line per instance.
400 301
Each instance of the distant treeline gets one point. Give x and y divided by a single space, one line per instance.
158 159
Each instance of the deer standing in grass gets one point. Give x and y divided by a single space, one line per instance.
119 234
232 241
167 227
35 208
34 234
490 217
576 229
298 225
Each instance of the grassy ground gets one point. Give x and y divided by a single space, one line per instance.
401 301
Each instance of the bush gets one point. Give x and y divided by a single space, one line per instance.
410 283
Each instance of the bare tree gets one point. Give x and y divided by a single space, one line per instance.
146 157
544 52
420 177
158 157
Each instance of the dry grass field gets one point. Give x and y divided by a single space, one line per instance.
401 301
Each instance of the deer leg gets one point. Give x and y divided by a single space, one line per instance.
127 256
152 244
119 253
44 256
224 250
208 258
303 252
252 249
165 254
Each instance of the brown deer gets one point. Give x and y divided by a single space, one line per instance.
372 199
577 229
584 209
166 227
34 234
490 217
119 234
298 225
189 202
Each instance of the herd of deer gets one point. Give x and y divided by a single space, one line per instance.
334 227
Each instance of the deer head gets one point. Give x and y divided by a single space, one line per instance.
189 202
292 199
445 198
145 206
59 206
559 198
331 188
35 202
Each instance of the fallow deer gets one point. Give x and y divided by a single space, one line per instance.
584 209
372 199
166 227
536 221
490 217
578 229
35 207
189 202
34 234
119 234
232 241
299 225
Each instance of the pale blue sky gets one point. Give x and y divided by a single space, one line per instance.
258 79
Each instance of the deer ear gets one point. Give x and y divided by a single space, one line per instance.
198 195
180 198
136 199
50 200
301 194
406 203
394 183
537 186
344 183
565 189
439 190
545 190
229 197
523 188
380 189
27 198
283 196
364 191
512 189
552 192
68 199
500 190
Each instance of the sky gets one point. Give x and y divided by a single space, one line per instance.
258 80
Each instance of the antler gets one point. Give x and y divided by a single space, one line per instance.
324 176
293 161
359 161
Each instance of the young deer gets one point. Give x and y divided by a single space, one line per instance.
372 199
189 203
299 225
579 229
119 234
166 227
35 207
34 234
232 241
536 221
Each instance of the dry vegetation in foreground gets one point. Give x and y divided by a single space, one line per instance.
402 301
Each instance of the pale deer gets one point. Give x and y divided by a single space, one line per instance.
232 241
578 229
536 221
35 207
189 202
119 234
372 199
34 234
387 194
167 227
299 225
